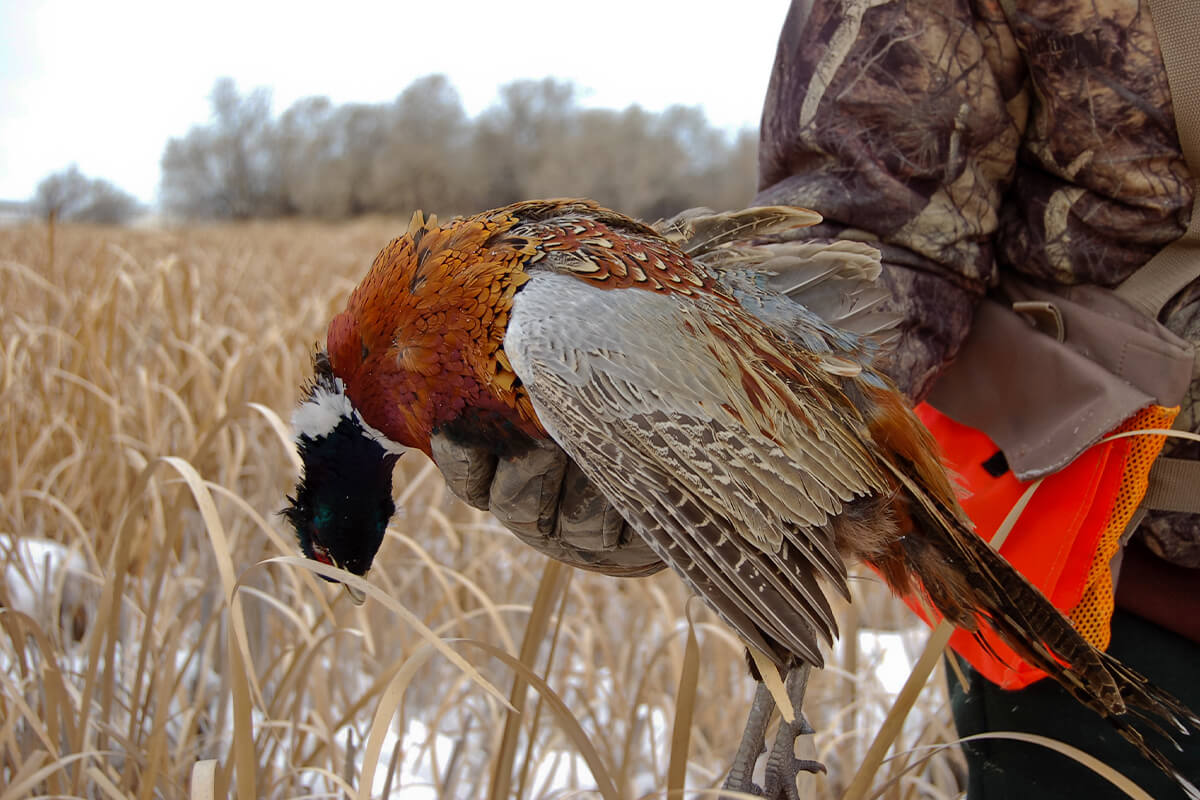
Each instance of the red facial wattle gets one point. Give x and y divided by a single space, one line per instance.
320 553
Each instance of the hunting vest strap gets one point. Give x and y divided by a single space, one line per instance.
1176 23
1174 486
1178 264
1174 482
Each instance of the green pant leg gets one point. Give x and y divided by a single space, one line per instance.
1003 769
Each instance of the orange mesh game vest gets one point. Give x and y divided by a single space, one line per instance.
1065 539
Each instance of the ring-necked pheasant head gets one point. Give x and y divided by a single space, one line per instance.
343 500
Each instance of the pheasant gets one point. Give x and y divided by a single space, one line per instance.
684 368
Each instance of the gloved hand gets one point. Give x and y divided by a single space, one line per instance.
549 504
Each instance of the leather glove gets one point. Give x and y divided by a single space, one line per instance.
545 499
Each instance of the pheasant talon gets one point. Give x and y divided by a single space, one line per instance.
782 764
740 778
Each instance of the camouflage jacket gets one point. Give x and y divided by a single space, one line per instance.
978 136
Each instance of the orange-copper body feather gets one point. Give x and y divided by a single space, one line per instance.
416 359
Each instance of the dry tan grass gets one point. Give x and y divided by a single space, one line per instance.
143 375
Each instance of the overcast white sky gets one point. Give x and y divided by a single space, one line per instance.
105 84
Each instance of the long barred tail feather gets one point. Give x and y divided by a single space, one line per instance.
952 559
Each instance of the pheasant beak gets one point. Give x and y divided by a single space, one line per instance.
357 596
321 554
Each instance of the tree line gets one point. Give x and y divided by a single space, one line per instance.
319 159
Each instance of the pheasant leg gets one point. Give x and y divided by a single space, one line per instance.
753 742
782 764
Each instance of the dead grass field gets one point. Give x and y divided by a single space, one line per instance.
180 649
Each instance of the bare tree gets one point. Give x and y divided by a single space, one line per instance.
521 142
58 195
424 158
297 149
70 196
224 169
109 205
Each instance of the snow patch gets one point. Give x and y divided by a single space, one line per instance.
48 581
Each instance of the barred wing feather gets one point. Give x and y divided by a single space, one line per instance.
694 442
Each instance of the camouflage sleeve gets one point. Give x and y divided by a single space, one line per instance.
900 122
